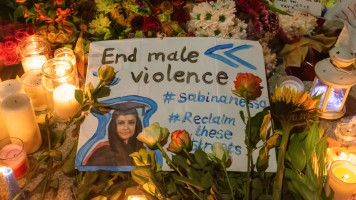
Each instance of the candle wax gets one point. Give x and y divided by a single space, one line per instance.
12 156
8 87
33 62
65 104
32 82
21 121
345 175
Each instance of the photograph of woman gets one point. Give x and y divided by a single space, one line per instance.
123 129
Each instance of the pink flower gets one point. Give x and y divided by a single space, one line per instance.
10 58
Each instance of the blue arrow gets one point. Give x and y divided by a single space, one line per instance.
210 53
241 47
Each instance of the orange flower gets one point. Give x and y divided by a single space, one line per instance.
247 84
180 140
178 2
166 7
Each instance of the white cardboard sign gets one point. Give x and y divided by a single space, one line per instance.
313 7
182 83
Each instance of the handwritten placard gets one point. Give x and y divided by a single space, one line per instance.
182 83
313 7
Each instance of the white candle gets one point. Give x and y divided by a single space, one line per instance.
8 87
64 103
33 62
32 82
21 121
342 179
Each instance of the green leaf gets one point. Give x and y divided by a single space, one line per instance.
18 12
78 94
262 160
180 161
142 175
311 140
171 188
272 141
191 182
201 157
68 167
257 186
296 153
256 122
52 13
206 180
90 177
192 173
107 35
242 115
102 92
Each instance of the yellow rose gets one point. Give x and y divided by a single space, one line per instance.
106 74
153 134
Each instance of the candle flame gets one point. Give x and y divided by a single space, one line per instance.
343 155
344 177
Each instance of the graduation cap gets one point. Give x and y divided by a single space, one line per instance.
129 105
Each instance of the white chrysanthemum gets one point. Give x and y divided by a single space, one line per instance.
269 57
217 20
297 25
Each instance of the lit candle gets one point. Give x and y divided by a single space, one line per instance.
291 81
12 186
342 179
64 102
136 197
32 82
65 53
21 121
33 62
13 155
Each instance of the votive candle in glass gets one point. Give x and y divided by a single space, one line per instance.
66 53
32 83
13 155
56 73
21 121
35 51
65 104
292 82
342 179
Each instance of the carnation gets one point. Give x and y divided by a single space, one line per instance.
297 25
217 19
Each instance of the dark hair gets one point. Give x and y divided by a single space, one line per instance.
117 145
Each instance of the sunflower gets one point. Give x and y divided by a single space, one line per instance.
290 108
295 107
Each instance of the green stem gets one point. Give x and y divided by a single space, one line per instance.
98 86
249 149
176 168
278 181
48 134
187 153
228 180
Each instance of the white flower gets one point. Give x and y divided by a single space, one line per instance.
152 134
297 25
220 153
217 20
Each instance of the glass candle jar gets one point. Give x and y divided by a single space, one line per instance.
60 82
35 51
32 84
66 53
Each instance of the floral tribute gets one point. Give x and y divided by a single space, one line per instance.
299 141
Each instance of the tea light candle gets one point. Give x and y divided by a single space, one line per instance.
13 155
13 187
64 102
291 81
342 179
32 83
33 62
136 197
21 121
